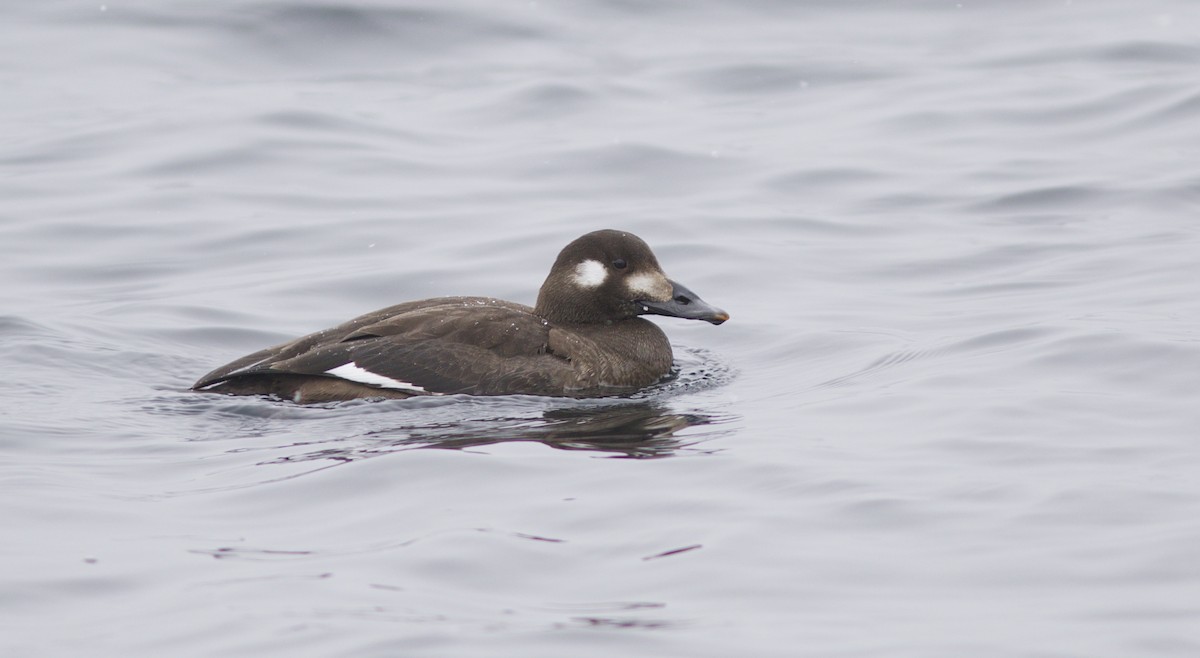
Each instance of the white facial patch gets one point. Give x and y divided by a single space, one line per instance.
590 274
352 372
649 285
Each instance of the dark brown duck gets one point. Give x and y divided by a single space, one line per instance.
583 338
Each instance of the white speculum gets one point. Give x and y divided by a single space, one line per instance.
352 372
590 274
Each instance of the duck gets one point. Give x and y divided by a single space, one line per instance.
584 337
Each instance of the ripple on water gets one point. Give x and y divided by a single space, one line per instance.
772 78
639 165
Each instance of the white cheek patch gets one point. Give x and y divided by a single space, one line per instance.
590 274
352 372
649 285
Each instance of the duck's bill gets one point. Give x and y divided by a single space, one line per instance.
685 304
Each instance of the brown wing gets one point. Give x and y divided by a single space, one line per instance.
452 345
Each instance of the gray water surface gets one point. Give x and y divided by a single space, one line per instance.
954 413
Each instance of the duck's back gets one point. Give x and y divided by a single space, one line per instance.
473 345
447 345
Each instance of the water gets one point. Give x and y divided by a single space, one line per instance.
954 412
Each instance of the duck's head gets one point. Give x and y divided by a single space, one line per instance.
607 276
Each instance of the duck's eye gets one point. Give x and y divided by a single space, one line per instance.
619 263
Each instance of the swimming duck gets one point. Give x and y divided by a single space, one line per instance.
584 338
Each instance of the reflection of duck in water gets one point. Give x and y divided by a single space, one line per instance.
584 338
634 429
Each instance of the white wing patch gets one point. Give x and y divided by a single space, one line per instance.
352 372
590 274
